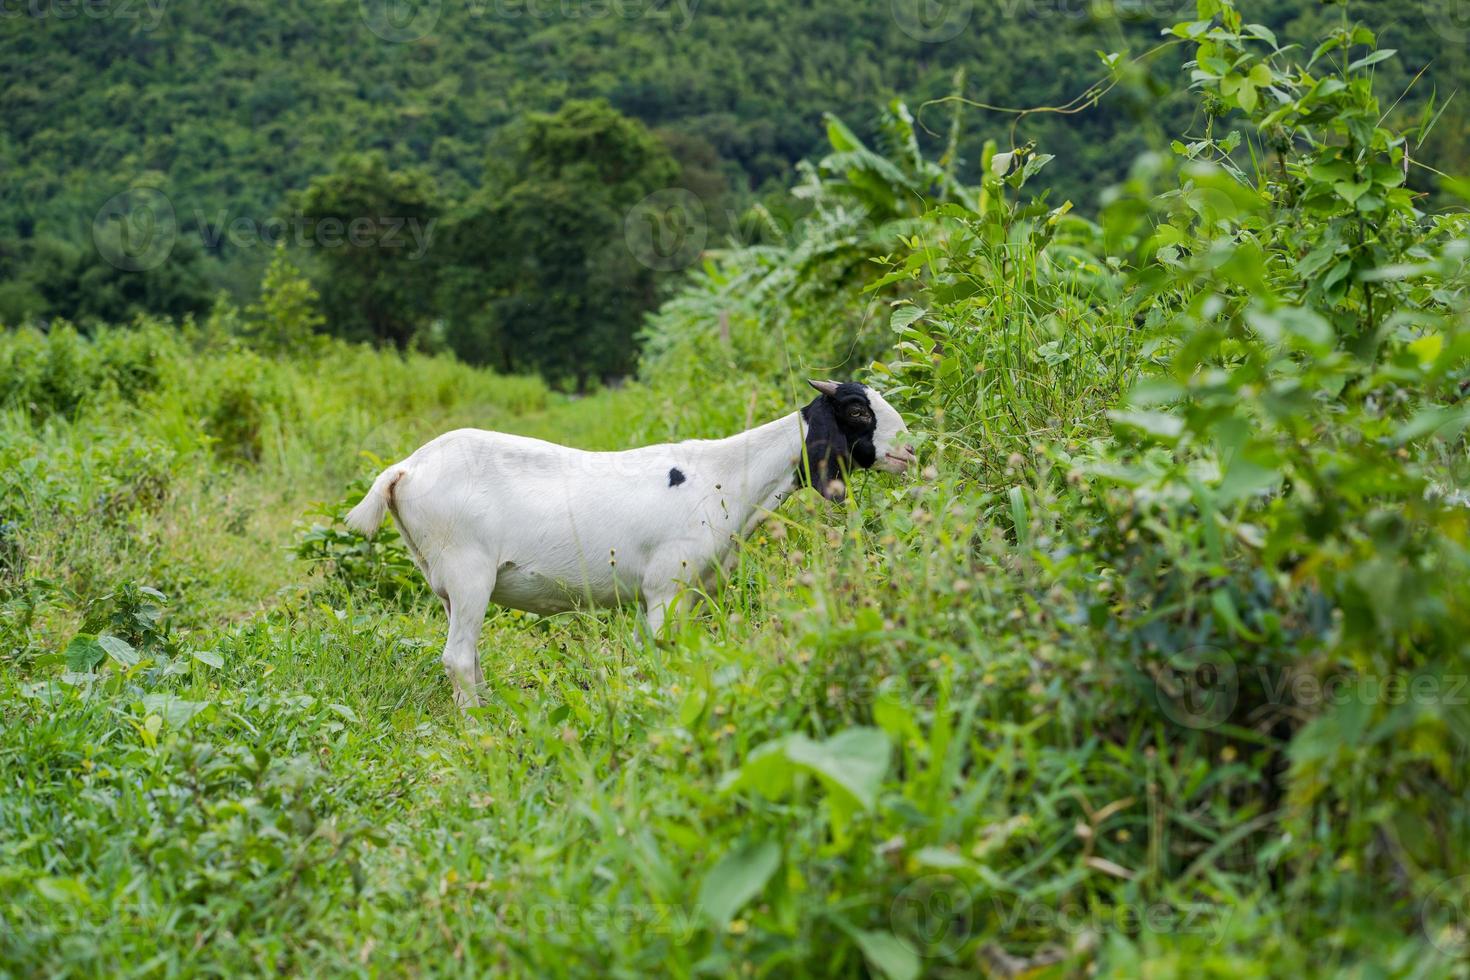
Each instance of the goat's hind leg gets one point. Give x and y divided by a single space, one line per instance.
467 600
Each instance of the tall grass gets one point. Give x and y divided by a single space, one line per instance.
182 458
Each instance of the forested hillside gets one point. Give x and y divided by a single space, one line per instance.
230 110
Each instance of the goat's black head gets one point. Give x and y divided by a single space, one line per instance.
848 425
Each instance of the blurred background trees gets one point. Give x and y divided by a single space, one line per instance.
536 273
265 115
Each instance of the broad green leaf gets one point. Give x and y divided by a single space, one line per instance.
1034 164
1427 348
1155 391
344 711
842 139
1331 44
209 657
1247 96
853 762
766 771
1245 478
1224 606
1262 32
1458 186
1161 425
1020 516
62 890
692 707
83 653
1293 325
905 315
1316 260
1447 421
119 649
1372 59
1336 274
736 879
895 716
175 711
888 955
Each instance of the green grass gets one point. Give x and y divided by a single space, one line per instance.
281 781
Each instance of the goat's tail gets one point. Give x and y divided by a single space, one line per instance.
367 516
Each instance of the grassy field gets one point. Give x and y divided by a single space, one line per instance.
891 744
1158 668
270 773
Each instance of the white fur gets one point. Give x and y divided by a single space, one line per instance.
893 455
536 526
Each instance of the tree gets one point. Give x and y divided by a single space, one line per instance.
50 278
286 317
539 275
372 229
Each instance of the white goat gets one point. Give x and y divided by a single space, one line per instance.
536 526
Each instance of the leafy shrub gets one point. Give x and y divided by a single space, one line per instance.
379 565
288 316
247 403
61 372
777 310
1213 436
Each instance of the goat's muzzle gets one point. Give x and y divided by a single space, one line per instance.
897 461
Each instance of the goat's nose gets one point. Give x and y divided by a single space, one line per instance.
909 449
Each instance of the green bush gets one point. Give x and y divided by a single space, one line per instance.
61 372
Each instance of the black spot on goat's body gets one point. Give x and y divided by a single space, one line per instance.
676 476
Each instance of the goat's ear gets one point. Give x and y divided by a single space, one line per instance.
827 454
828 388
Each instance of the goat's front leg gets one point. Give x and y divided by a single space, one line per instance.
658 610
671 585
662 600
467 602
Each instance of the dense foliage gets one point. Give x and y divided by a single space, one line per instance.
214 134
1163 668
540 275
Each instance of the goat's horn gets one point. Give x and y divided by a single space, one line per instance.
828 388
